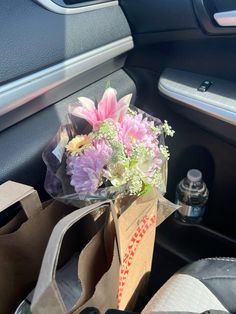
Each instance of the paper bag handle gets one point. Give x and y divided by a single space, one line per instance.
12 192
47 296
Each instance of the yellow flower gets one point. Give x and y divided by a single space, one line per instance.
77 143
132 138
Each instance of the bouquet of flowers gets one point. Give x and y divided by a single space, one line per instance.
106 150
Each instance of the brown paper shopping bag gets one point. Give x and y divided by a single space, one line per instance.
129 242
21 251
11 193
49 296
113 265
134 221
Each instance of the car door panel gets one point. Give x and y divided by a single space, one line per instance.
153 21
150 16
169 37
21 145
46 56
33 38
203 140
188 46
218 101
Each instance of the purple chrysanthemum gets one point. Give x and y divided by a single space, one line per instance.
86 169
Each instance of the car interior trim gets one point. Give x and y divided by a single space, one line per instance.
227 18
21 91
30 136
62 91
208 21
56 8
219 113
176 91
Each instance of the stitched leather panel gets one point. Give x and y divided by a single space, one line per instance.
183 293
219 275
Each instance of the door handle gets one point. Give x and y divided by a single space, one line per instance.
227 18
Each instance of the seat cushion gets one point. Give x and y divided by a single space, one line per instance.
208 284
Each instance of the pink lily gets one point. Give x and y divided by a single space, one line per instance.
108 108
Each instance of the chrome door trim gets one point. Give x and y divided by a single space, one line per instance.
23 90
56 8
209 109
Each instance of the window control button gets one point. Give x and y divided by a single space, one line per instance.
204 86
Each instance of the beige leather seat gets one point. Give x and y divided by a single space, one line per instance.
205 285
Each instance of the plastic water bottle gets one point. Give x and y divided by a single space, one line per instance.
192 195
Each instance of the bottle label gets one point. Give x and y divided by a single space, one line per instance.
193 211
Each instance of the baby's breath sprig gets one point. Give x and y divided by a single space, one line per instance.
135 181
167 129
165 152
107 130
156 129
132 112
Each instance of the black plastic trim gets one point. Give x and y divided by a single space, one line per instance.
206 23
79 3
159 16
192 242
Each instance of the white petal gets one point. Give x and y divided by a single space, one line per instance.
87 103
126 99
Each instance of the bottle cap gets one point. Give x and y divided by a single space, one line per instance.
194 175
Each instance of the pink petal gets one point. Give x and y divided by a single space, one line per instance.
83 113
86 110
107 107
123 106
